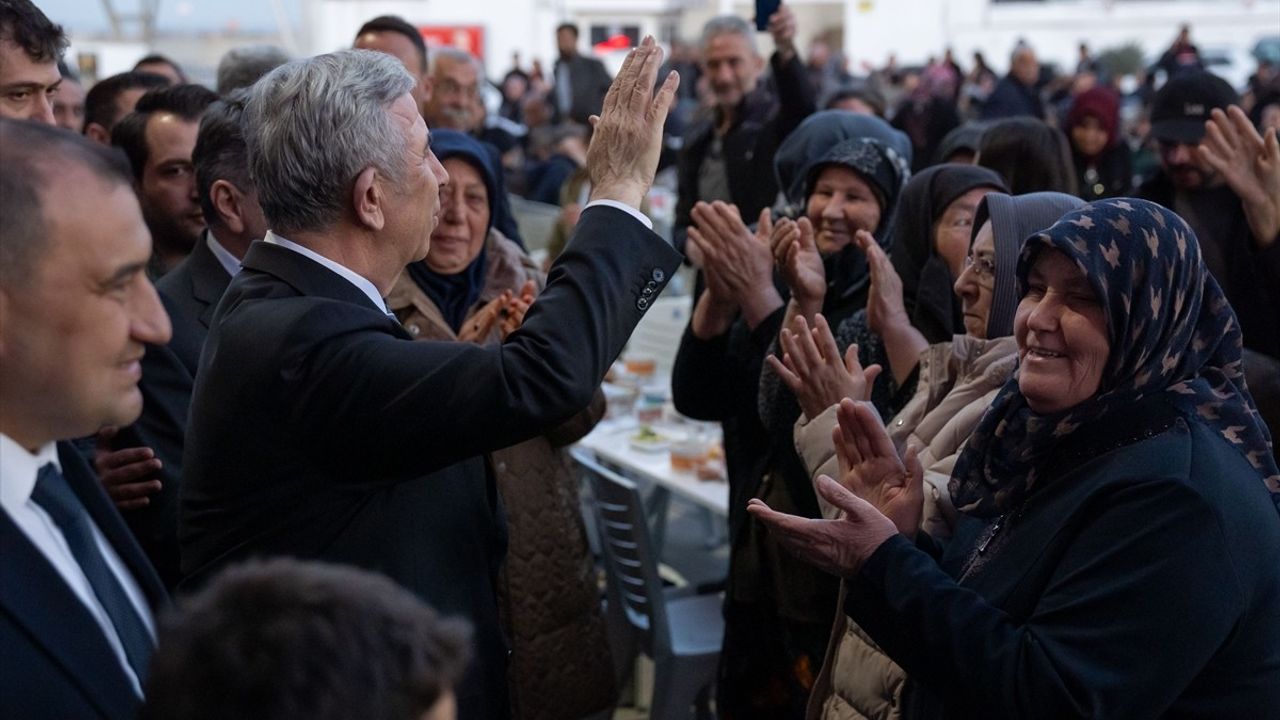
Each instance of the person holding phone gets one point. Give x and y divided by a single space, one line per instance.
728 155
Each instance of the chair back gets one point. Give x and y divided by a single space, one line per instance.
630 562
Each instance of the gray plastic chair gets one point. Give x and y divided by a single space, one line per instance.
681 633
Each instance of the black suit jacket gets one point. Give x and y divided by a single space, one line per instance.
190 292
588 83
54 660
320 429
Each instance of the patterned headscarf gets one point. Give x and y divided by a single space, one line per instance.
1172 332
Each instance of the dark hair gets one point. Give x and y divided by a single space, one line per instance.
293 640
130 134
568 26
396 24
35 156
220 152
24 25
100 104
155 58
1030 155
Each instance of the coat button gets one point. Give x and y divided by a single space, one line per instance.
502 467
658 275
651 285
413 329
647 292
643 303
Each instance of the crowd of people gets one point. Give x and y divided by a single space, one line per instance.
285 399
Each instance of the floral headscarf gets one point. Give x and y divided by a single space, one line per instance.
1172 332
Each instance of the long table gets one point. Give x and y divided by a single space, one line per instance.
610 444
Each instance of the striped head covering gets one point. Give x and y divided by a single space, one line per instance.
1172 333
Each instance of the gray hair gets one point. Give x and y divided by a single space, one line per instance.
729 25
313 125
456 55
244 66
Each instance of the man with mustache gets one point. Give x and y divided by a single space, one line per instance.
729 156
1210 178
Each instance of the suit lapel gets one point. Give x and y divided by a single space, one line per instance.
209 280
39 600
85 485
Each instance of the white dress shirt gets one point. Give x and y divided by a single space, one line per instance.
225 258
344 272
18 470
368 288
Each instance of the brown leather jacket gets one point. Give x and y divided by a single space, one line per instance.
560 660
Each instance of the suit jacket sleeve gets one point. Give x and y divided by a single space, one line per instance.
410 407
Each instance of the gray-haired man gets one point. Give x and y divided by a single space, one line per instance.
318 428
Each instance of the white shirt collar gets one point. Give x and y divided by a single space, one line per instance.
225 258
359 281
18 469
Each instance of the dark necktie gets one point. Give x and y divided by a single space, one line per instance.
54 495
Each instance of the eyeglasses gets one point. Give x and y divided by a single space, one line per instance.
981 266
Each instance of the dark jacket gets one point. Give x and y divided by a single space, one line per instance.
1011 98
588 83
763 121
1249 278
1141 579
1114 173
189 292
55 662
319 430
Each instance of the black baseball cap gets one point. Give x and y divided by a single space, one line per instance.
1182 106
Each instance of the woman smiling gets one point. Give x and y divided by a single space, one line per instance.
1117 552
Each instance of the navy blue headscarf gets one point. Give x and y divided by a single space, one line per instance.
1172 333
455 294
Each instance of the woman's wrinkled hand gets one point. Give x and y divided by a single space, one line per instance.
795 251
839 546
812 368
886 311
871 468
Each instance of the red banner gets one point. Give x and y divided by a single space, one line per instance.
462 37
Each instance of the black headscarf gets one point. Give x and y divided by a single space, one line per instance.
927 285
455 294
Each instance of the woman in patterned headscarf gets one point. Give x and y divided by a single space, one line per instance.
1118 551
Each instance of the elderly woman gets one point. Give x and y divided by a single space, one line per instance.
843 172
957 381
1118 548
474 286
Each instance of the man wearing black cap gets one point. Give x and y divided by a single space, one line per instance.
1224 179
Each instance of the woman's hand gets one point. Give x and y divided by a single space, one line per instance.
885 308
476 329
1250 165
735 258
839 546
811 367
796 253
870 467
512 315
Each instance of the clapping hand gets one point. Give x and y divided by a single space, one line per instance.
627 137
1250 165
736 262
840 546
871 468
796 253
812 368
516 308
885 308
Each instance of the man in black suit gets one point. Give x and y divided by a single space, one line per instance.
143 476
318 427
76 310
580 82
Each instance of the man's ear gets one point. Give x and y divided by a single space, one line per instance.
424 81
367 199
226 200
97 133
